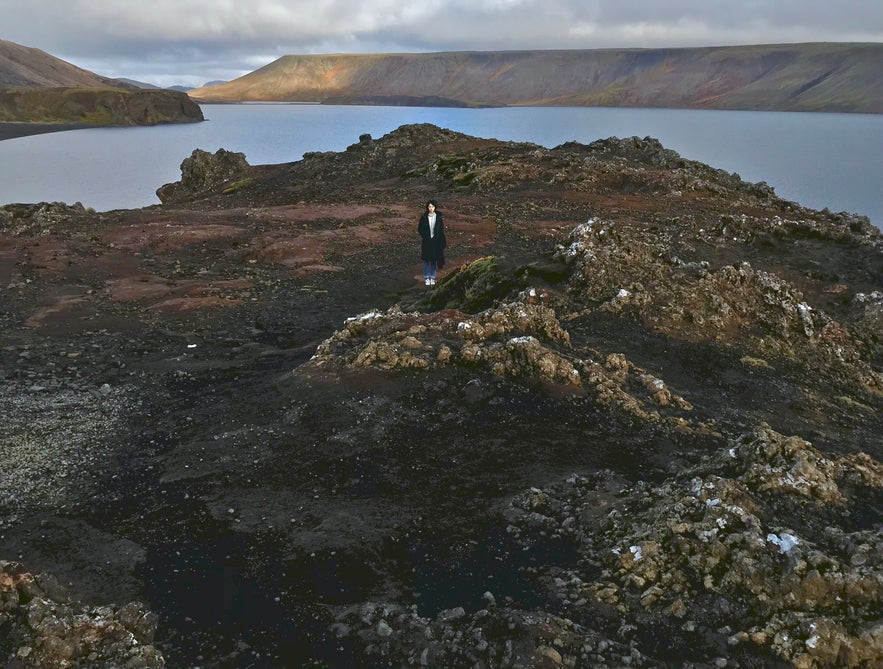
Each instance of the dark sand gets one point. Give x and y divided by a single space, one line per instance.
13 130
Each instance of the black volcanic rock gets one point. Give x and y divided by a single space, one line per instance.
202 172
637 422
43 628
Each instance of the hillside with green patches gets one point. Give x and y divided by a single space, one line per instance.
97 106
825 77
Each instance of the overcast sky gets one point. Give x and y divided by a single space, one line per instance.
190 42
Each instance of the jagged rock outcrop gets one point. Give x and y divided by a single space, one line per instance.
626 271
40 219
507 340
725 545
202 172
520 339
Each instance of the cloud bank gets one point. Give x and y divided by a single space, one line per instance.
189 42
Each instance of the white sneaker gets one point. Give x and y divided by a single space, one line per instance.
432 282
426 281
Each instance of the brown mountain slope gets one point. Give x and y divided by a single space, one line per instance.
38 88
796 77
26 66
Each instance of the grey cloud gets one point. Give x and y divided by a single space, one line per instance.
203 38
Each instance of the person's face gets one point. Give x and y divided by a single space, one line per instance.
430 208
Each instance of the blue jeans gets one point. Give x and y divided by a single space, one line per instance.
429 269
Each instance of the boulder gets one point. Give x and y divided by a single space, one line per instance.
44 629
203 173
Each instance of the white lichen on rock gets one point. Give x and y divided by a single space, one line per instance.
716 532
521 338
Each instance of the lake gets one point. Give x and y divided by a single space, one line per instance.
818 160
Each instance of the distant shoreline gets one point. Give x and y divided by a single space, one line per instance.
15 130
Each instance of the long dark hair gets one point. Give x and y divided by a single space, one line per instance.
433 203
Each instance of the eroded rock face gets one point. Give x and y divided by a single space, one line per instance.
44 629
202 172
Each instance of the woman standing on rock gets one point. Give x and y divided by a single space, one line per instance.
431 229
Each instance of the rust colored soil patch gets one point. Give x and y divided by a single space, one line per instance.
167 236
62 308
195 303
49 253
301 213
150 287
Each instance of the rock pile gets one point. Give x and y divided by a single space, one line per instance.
493 636
722 550
43 629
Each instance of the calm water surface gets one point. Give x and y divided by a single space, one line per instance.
819 160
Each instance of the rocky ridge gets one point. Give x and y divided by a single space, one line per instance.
637 422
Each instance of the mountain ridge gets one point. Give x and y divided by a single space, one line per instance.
28 66
831 77
38 88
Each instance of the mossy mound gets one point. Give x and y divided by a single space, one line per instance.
472 287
